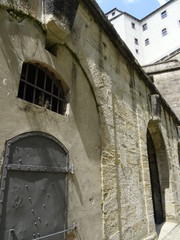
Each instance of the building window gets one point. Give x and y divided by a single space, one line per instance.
144 26
113 13
133 25
137 51
146 41
164 14
136 41
164 32
39 86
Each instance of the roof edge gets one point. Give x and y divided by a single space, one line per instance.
142 19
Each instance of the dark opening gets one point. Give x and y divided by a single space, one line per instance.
39 86
155 183
179 152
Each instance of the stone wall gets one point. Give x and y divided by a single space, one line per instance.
166 78
111 108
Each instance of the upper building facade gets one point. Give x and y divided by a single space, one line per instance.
154 36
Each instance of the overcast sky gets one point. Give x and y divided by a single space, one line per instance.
137 8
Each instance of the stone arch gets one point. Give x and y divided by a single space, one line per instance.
159 170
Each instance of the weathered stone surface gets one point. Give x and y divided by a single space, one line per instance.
156 107
55 16
59 18
64 11
166 78
105 127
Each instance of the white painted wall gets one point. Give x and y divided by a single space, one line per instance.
159 46
132 34
113 13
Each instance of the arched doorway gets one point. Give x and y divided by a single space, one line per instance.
159 170
34 188
155 182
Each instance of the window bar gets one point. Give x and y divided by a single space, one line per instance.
60 100
34 92
30 84
24 92
52 88
58 105
45 80
40 93
44 90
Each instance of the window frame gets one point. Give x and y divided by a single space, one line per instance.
144 27
147 42
164 32
163 14
39 86
136 41
133 25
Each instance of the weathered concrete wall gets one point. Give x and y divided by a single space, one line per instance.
78 131
105 130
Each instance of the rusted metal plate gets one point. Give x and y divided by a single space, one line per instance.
33 202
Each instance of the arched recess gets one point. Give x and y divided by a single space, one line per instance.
34 188
159 170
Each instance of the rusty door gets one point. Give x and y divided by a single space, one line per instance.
33 199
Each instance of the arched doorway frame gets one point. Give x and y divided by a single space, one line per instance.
155 131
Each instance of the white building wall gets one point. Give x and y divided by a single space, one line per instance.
119 25
113 13
132 34
123 25
159 46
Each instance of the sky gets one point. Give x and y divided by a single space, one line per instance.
137 8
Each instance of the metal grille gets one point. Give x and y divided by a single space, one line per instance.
39 86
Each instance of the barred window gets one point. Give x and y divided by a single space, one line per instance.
39 86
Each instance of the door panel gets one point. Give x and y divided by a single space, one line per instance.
34 190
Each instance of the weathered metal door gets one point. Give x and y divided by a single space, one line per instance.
34 189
